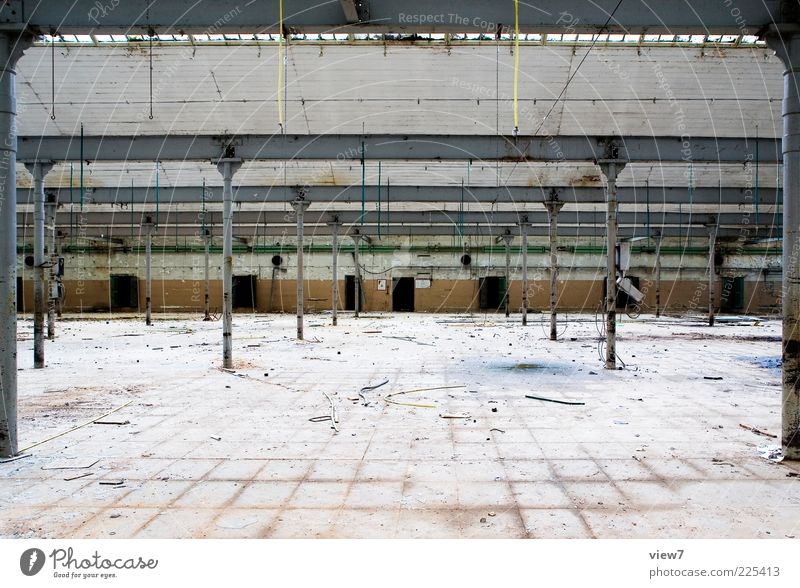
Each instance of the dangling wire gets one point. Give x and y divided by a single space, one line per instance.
756 190
53 76
379 199
280 64
150 44
81 167
516 66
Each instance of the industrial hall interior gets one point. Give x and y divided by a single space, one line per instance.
381 269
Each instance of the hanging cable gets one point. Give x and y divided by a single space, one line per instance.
363 194
756 187
156 193
571 77
379 199
71 209
81 167
280 64
516 66
53 76
151 74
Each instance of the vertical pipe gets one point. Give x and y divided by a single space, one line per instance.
227 168
206 306
524 231
356 239
610 171
507 239
335 268
300 207
553 206
11 48
658 277
788 49
148 264
712 272
52 282
39 171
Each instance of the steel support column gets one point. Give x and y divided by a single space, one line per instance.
38 171
52 282
610 170
712 270
206 276
148 228
356 241
553 207
658 277
300 207
523 229
335 271
11 48
507 238
227 167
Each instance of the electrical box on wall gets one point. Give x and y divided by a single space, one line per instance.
624 256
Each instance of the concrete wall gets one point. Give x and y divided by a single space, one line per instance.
178 278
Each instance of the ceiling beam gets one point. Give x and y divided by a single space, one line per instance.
387 147
450 219
233 16
287 233
422 194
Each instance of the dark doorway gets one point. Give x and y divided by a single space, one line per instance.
403 294
732 297
244 292
20 295
492 292
349 292
124 292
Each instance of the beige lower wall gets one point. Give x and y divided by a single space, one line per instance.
442 296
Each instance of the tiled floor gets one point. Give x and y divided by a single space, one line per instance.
656 451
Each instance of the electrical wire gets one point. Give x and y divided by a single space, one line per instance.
571 77
516 65
53 81
280 63
150 51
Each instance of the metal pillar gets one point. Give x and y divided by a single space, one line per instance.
148 264
507 238
658 277
335 271
523 229
227 167
52 283
206 305
712 271
356 240
553 207
785 41
300 207
38 171
11 48
610 170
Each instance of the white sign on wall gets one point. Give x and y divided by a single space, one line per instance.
382 285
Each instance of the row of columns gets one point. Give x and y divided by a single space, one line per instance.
784 39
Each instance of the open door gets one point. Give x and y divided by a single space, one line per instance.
403 294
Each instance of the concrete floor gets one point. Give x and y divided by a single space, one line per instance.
656 451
